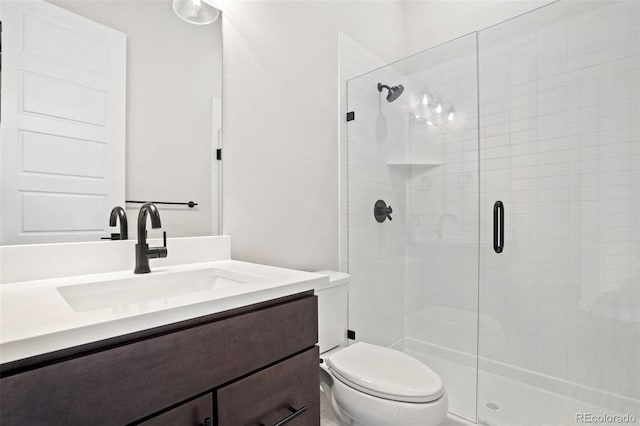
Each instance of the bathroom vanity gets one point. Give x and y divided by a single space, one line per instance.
255 365
213 343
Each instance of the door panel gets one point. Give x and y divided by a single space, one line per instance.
560 148
63 124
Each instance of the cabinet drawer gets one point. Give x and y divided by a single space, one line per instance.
269 396
129 382
192 413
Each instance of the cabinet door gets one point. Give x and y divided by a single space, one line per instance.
198 412
288 390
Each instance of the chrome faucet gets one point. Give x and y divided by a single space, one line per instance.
143 251
119 213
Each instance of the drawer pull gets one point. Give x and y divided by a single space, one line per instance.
294 413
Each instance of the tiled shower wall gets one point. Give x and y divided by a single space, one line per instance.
560 146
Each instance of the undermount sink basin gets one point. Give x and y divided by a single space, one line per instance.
51 314
144 289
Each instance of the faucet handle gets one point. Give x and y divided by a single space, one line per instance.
158 252
381 211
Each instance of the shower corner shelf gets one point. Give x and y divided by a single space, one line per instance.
423 164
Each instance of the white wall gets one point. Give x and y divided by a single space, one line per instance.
281 122
173 71
429 23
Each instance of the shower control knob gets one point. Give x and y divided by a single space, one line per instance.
381 211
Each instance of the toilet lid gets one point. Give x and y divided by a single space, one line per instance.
386 373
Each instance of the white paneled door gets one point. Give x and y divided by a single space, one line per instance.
62 124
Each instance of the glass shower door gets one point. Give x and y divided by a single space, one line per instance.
414 278
559 306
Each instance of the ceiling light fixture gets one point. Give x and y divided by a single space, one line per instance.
199 12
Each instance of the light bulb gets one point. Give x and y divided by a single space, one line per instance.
425 99
451 115
429 123
439 108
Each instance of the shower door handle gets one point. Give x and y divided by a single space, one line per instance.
498 227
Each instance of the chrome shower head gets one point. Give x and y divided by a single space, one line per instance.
394 92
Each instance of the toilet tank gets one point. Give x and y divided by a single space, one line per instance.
332 310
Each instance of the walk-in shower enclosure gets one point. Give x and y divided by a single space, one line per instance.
533 126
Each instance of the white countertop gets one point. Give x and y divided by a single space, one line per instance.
41 316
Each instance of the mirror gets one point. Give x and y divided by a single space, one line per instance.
105 101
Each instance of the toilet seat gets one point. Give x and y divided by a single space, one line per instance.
385 373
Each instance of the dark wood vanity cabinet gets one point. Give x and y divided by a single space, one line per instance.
249 366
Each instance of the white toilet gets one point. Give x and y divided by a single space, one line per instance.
370 385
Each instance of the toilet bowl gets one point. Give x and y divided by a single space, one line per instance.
371 385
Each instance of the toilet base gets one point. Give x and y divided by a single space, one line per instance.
326 385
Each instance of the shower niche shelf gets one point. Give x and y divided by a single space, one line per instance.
423 164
